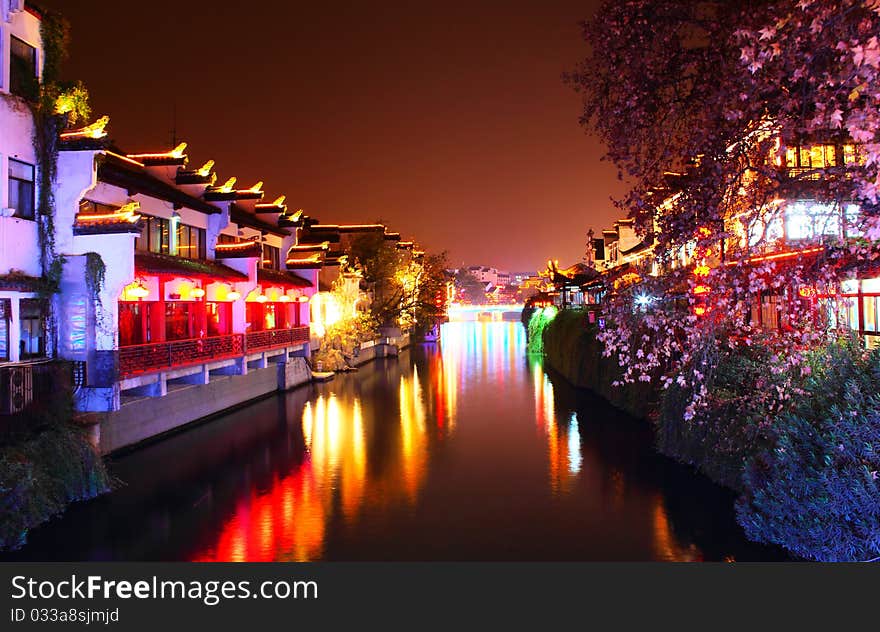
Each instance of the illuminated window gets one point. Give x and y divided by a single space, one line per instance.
135 326
88 207
156 237
770 307
767 230
853 221
853 155
178 320
849 312
270 320
813 221
254 315
219 316
190 242
804 160
870 313
271 257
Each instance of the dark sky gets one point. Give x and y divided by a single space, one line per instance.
447 120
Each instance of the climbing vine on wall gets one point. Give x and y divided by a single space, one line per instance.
57 106
95 272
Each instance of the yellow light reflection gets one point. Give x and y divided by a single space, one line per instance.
666 546
563 441
413 435
288 521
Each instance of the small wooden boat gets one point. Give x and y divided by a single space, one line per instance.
322 376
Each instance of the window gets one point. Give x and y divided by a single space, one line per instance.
813 221
853 155
5 317
88 207
870 313
33 329
135 323
21 188
853 216
178 318
270 316
23 69
765 230
190 242
255 317
155 236
219 318
271 257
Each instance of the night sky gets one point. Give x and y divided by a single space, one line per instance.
447 121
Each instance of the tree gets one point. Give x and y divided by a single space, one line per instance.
404 283
694 101
471 288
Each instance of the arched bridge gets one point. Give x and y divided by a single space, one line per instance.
487 313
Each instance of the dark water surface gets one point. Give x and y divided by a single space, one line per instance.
461 450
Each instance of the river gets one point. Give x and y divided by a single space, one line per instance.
466 449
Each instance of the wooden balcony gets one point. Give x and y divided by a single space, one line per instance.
276 338
165 355
157 356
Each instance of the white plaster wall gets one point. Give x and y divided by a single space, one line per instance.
76 178
627 237
18 237
117 252
26 27
216 224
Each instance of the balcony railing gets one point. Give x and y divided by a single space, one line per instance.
275 338
164 355
156 356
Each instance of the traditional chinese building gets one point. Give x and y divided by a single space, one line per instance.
22 309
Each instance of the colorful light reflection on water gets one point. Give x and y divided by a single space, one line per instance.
462 450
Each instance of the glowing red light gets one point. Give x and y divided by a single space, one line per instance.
807 291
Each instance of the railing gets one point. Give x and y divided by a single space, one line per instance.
26 389
163 355
272 338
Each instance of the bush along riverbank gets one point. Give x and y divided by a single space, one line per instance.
806 471
46 463
570 347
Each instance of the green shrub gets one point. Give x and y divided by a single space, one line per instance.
815 491
538 321
571 348
733 422
42 475
46 463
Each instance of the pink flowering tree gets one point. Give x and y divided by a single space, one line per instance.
696 102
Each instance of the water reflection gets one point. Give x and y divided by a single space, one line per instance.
289 520
465 449
563 439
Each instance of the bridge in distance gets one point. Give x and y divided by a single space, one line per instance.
487 313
